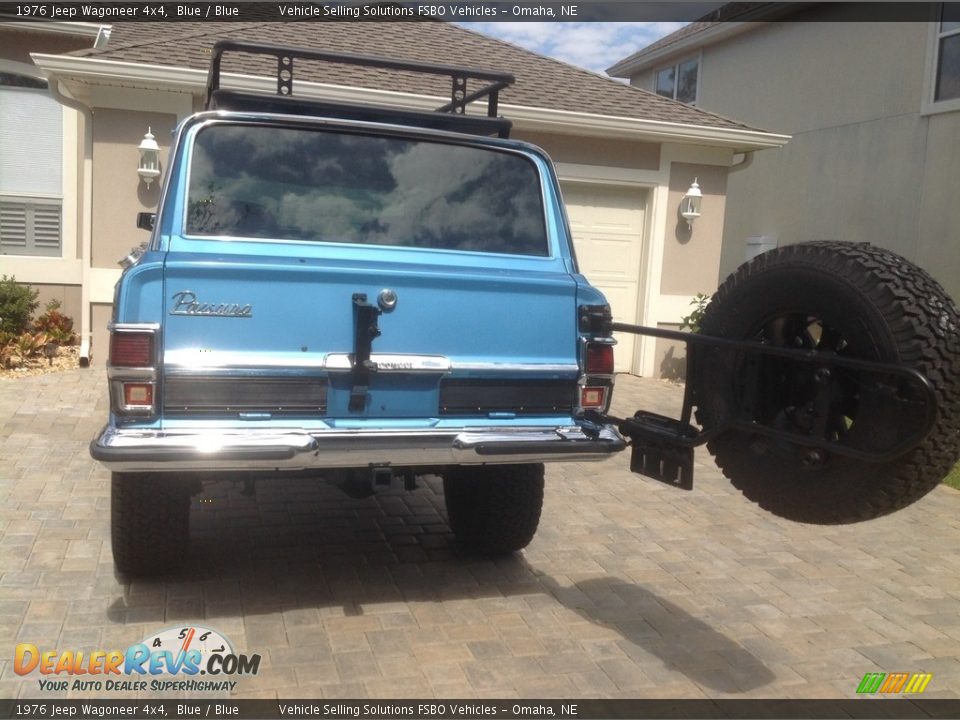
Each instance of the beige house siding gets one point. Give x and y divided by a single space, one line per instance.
608 152
16 45
691 256
118 192
864 164
100 314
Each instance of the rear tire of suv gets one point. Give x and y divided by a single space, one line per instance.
494 509
149 523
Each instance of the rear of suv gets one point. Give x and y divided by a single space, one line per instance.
356 292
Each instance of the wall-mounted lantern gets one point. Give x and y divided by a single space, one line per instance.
690 205
149 169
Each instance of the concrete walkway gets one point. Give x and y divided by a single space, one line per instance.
630 590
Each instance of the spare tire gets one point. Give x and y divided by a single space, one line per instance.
857 301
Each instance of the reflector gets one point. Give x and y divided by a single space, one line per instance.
592 397
138 394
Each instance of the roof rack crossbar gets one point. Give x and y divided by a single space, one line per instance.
459 98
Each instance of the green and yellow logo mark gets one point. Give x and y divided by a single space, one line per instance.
893 683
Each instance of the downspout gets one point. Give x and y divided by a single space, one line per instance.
746 162
86 227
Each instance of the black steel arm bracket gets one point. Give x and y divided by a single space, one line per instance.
663 446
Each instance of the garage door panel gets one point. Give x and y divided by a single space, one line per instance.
607 224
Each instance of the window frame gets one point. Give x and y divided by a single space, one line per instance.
930 105
408 134
31 200
675 66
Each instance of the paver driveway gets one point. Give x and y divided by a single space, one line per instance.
630 589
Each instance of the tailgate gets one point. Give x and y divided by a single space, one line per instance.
259 337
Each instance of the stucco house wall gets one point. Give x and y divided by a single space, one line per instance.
870 160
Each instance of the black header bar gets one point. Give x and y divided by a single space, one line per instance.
463 709
453 11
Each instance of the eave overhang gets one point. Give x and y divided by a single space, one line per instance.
93 71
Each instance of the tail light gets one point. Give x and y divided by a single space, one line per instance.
596 382
132 370
131 349
599 359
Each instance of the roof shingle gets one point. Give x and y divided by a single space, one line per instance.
541 81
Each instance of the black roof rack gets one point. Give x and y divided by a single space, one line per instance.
451 116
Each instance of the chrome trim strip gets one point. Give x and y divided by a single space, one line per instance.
517 367
391 362
133 327
126 449
197 360
131 374
193 360
188 361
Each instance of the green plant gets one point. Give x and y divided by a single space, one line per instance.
17 303
7 349
30 344
692 321
55 324
953 477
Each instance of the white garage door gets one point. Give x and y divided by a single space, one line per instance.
607 224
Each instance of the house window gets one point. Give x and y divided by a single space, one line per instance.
31 155
947 85
679 81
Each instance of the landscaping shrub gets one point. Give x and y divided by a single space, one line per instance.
17 303
57 326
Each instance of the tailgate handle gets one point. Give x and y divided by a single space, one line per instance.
365 331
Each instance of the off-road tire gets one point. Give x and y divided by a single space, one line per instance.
897 313
149 523
494 509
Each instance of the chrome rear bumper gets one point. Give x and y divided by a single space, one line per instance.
124 449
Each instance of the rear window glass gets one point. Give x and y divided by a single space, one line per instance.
290 183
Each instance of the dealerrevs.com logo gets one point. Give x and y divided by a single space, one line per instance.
191 658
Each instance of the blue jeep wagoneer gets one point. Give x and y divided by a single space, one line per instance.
379 293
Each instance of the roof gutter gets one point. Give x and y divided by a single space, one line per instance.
180 79
57 27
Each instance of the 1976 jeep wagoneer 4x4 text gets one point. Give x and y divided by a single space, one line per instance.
370 294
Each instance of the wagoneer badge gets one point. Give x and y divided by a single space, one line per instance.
186 303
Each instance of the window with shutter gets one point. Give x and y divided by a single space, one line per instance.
31 155
30 226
